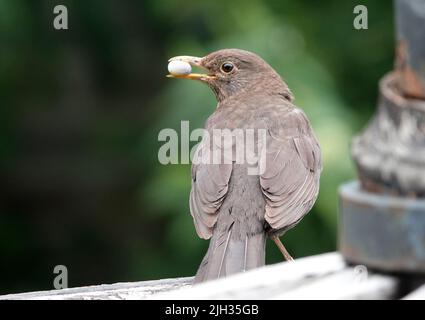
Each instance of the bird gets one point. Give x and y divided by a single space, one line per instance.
236 210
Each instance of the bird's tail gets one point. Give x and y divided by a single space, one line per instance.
227 255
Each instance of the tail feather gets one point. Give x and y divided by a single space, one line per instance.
228 255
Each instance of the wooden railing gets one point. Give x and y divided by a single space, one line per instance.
324 276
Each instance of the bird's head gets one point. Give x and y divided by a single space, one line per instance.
230 71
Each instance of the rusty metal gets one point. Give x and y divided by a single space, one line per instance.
410 51
381 232
390 152
382 221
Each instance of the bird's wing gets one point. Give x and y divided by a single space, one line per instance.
290 181
209 188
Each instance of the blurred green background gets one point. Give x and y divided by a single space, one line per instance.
80 112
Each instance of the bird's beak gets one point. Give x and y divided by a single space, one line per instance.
193 61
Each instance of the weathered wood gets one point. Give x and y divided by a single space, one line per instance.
418 294
265 282
345 285
117 291
324 276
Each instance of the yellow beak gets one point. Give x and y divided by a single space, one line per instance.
193 61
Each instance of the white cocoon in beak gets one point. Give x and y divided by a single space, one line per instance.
177 67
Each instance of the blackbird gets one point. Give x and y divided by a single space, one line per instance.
235 209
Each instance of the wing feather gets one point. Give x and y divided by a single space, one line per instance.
290 182
209 188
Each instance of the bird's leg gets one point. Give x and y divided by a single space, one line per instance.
282 248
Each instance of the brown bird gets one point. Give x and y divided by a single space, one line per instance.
233 208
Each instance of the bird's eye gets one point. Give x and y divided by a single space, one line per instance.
227 67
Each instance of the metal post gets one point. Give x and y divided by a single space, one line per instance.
383 216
